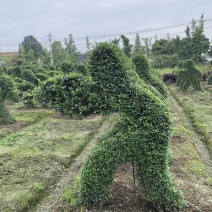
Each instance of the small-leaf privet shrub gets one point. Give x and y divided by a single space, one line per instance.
6 89
190 77
180 72
14 71
147 74
28 75
67 67
68 94
81 68
209 80
142 135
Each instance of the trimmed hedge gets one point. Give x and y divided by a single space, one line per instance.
142 134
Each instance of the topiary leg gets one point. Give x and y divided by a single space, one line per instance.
98 173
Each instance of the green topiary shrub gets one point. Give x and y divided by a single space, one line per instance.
142 134
14 71
67 67
147 74
190 76
81 68
41 76
209 80
69 94
180 72
6 89
28 75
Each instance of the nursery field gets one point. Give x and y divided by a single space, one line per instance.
42 153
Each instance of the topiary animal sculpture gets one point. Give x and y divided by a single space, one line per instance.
209 80
147 74
190 76
142 135
6 89
180 72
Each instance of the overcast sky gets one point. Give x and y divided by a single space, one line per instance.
96 18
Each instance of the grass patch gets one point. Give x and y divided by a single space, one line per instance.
32 159
197 106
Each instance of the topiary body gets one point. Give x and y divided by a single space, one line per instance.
190 77
142 135
209 80
6 89
147 74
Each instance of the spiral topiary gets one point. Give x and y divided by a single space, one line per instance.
190 77
6 88
142 134
147 74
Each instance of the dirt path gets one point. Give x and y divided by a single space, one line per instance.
199 145
50 202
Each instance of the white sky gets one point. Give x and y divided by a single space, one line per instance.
95 18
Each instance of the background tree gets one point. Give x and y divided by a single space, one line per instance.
127 47
31 43
70 48
138 47
58 53
147 46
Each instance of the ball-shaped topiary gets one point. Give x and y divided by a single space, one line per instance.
147 74
209 80
6 88
28 75
142 135
67 67
81 68
190 76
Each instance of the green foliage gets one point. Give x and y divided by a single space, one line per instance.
138 47
209 80
147 74
69 94
58 53
81 68
6 88
190 76
41 76
142 134
127 47
31 44
27 74
67 67
14 71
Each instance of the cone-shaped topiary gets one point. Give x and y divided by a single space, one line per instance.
6 88
190 77
142 135
148 74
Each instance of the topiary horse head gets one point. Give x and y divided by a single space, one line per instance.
142 135
6 89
